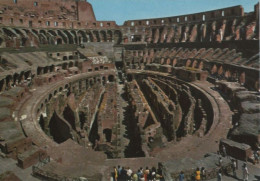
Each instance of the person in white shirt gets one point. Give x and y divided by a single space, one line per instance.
245 172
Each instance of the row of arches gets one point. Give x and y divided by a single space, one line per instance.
234 29
217 71
77 86
9 81
19 37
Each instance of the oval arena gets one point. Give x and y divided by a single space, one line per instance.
79 96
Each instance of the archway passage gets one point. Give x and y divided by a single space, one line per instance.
108 134
59 130
59 41
69 116
111 78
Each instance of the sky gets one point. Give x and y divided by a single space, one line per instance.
122 10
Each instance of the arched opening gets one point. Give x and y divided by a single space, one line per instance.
109 36
108 134
70 37
82 37
45 70
63 36
111 78
59 130
68 114
41 122
75 36
39 71
90 36
118 37
103 36
50 96
96 34
59 41
1 84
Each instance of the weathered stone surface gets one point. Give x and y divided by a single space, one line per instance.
5 113
251 107
9 176
248 130
239 151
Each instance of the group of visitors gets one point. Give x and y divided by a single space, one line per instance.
153 174
127 174
200 174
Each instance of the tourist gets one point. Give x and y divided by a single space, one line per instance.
220 161
203 173
115 174
181 176
256 157
129 173
197 177
135 177
123 174
234 167
139 173
224 151
141 170
219 176
146 173
119 169
245 172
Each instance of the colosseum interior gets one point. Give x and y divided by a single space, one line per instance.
79 96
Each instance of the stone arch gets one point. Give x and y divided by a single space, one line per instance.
1 41
73 32
43 39
242 78
70 36
227 74
111 78
96 34
117 37
220 70
108 134
162 61
23 36
59 130
194 64
201 64
163 34
188 63
103 36
109 36
174 62
52 32
156 35
82 36
90 36
59 40
63 36
2 83
214 69
34 33
70 64
69 116
15 78
10 32
168 61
